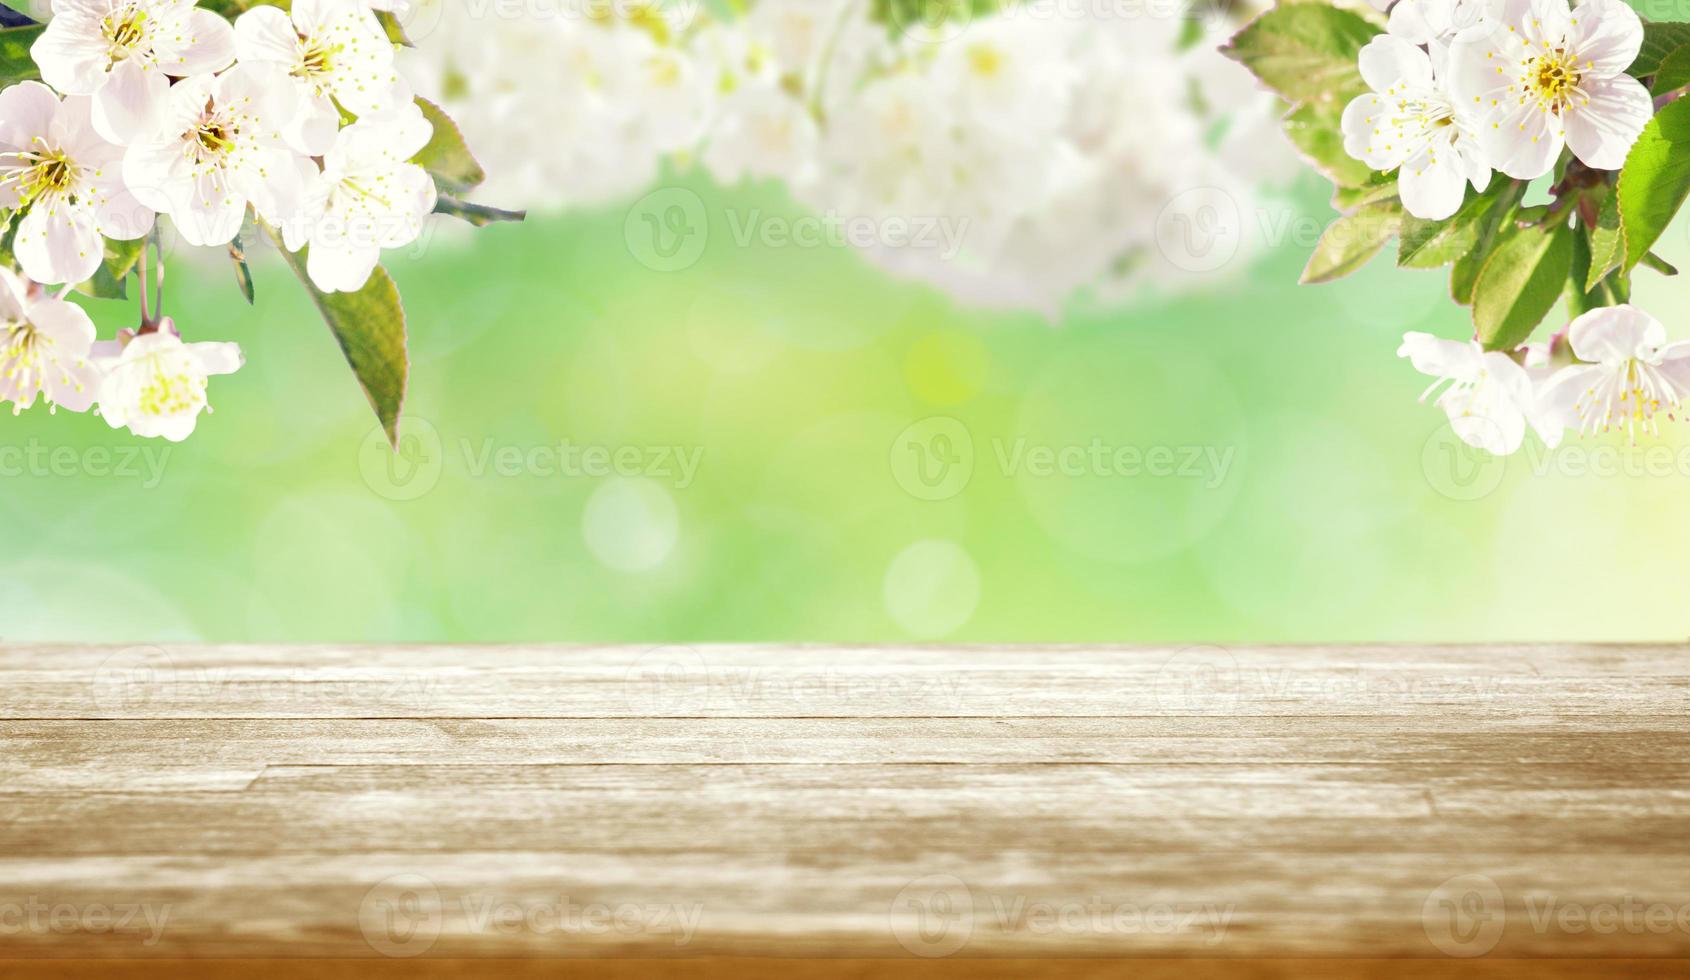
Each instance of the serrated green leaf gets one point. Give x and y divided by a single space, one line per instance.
1674 71
1520 284
1314 129
1659 41
446 157
1353 239
1607 243
1654 181
1305 52
1432 244
370 327
15 63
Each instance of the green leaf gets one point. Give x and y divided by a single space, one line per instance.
1580 298
1353 239
1654 181
15 63
478 215
1431 244
1314 128
1607 242
1304 51
1520 283
1465 274
446 157
370 326
1674 72
1659 41
1659 264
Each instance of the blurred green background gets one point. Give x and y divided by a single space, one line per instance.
866 466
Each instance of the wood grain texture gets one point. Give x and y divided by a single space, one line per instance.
1407 811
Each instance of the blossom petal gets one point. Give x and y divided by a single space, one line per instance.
1615 333
128 107
1524 141
57 244
71 55
1602 129
1389 62
1606 35
26 113
266 34
1433 184
208 47
218 358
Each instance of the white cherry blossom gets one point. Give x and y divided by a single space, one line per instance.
1544 77
218 148
332 51
1632 379
370 196
67 179
1410 123
1488 397
44 348
155 385
120 52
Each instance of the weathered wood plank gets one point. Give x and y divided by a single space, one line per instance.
249 682
1253 805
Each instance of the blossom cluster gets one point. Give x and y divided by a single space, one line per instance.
150 110
1451 108
1054 137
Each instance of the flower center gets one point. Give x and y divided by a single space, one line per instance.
315 59
170 390
1552 78
123 30
213 137
23 355
1632 397
39 173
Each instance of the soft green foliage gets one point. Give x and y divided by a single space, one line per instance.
1659 41
15 62
1353 239
370 327
1304 51
1520 283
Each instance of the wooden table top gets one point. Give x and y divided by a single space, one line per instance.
758 811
